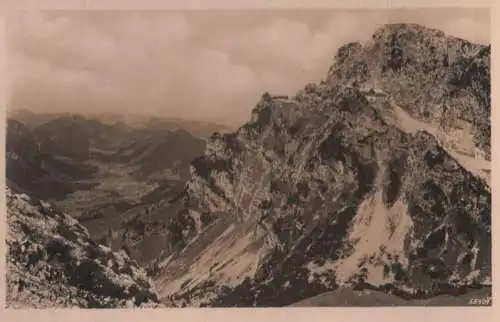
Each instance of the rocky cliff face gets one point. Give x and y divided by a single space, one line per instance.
438 79
358 181
52 262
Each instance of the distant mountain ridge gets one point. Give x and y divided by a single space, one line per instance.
196 128
65 148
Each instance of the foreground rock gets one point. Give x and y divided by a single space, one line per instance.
52 262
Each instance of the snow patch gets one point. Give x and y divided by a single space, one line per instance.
376 226
459 144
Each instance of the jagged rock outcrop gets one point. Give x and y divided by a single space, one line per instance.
436 78
52 262
358 181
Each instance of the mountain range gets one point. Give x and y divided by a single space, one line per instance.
373 183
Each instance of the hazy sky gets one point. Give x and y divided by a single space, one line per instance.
206 65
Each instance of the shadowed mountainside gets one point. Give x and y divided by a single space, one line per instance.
31 168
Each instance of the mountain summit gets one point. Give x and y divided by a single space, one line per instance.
377 177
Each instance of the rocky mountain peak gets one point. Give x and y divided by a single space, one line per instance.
356 181
409 31
435 78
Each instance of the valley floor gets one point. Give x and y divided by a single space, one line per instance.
114 184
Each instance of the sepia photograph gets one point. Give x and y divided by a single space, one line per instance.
248 158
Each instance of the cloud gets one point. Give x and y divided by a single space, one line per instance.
475 30
210 65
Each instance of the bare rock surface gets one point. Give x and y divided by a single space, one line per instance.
358 181
52 262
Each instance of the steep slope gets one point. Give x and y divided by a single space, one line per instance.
52 262
22 146
161 154
333 188
31 168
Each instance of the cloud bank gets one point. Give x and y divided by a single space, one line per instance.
202 65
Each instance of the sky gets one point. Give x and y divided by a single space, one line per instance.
210 65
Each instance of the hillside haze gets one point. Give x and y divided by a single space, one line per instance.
93 168
370 187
